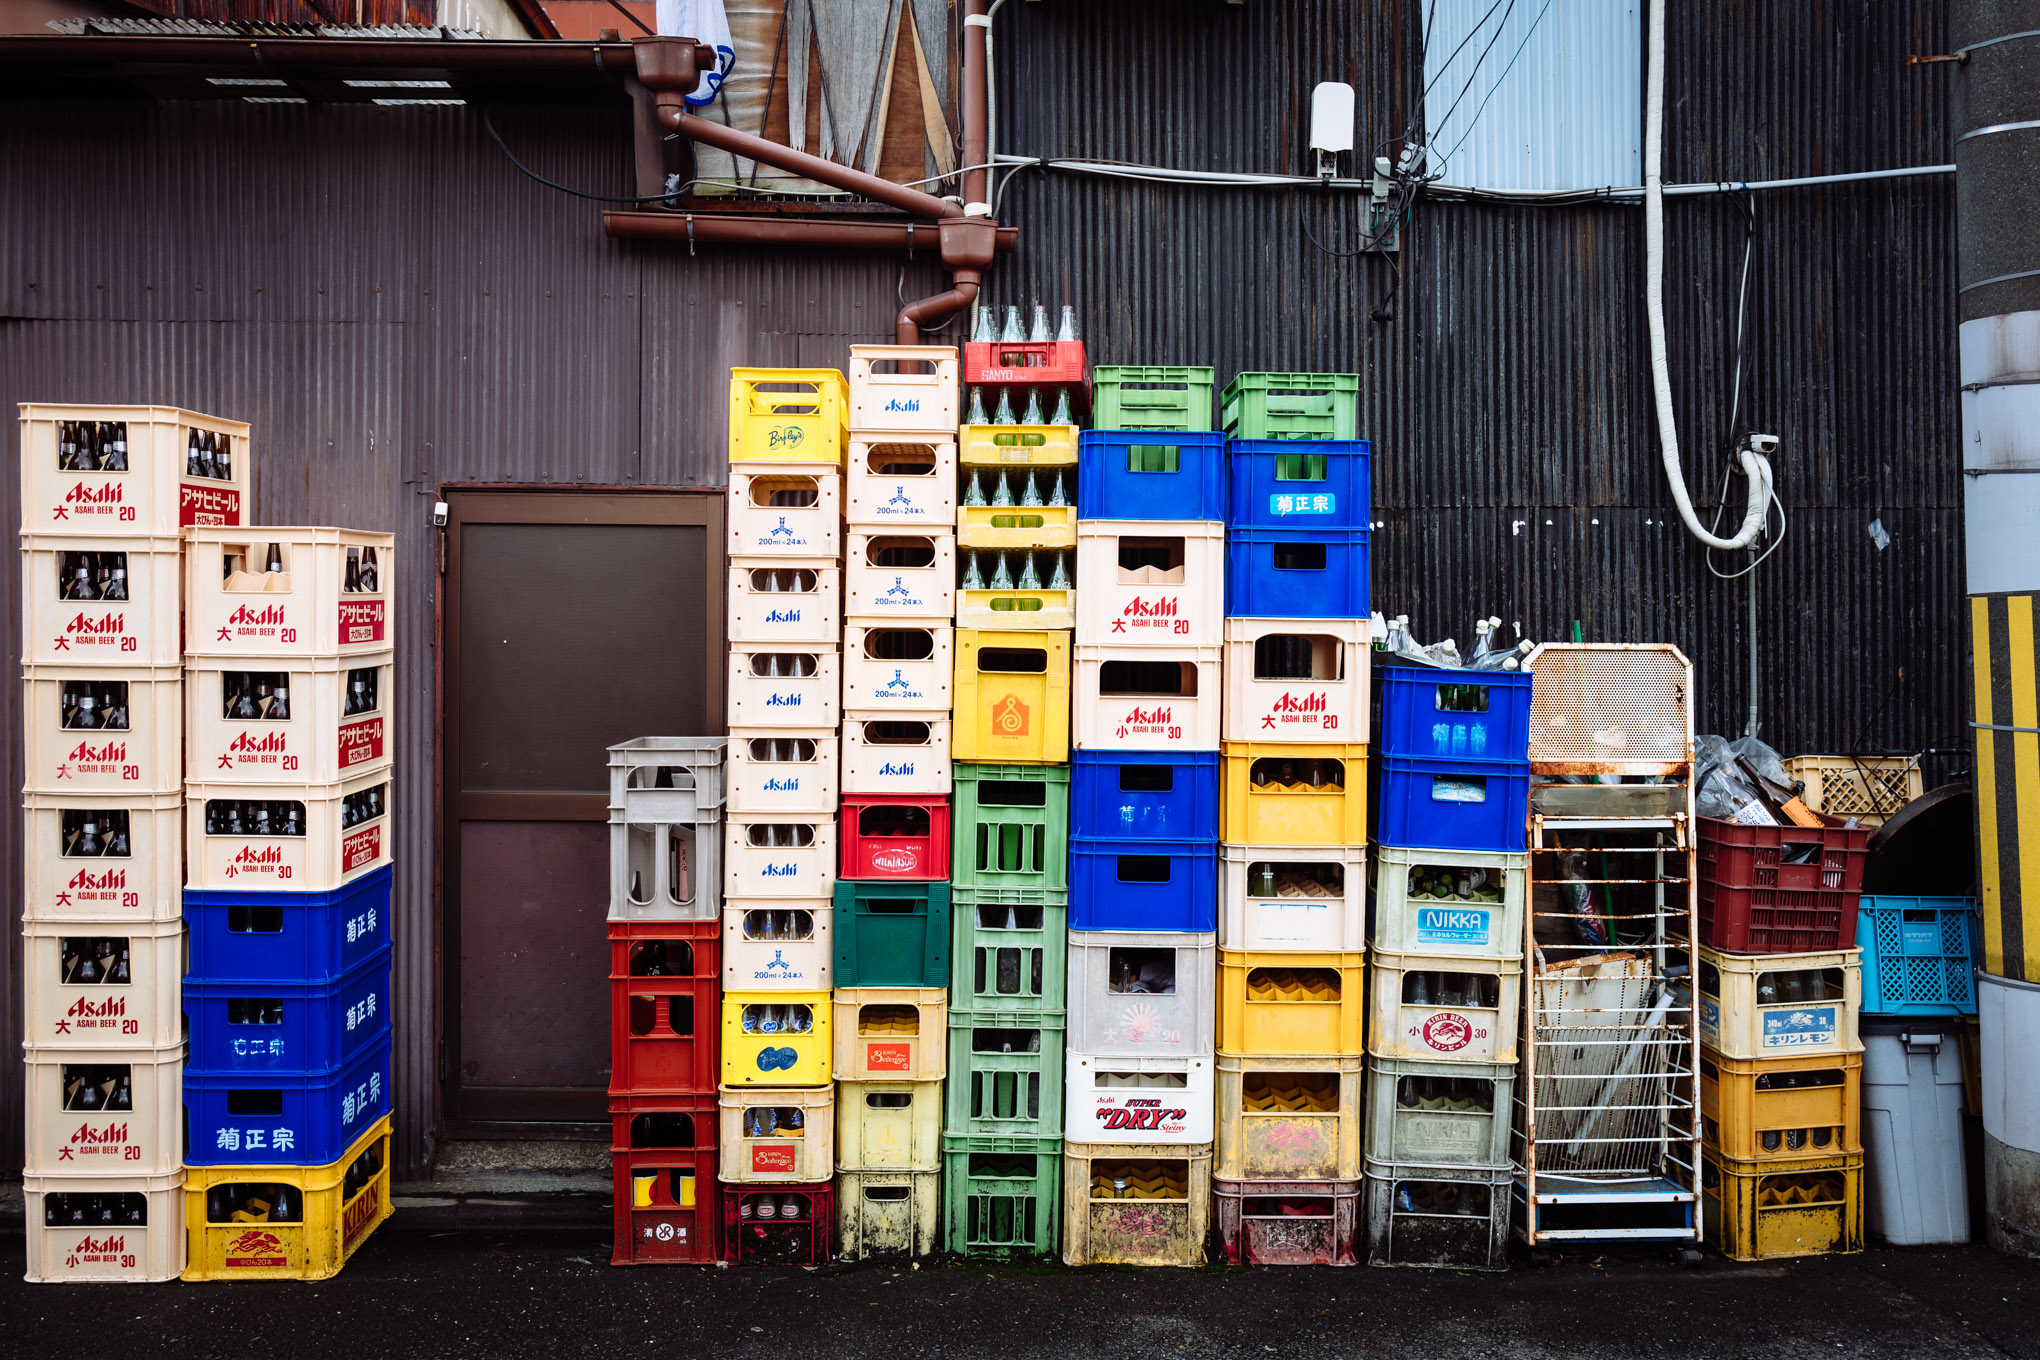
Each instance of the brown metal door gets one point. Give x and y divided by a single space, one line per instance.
572 621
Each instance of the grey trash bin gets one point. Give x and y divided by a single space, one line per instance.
1912 1132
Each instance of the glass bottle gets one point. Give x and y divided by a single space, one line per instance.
1068 329
976 414
1013 330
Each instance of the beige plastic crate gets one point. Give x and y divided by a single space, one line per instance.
1161 1219
891 1033
1112 713
887 1214
889 1126
897 666
320 740
760 1141
1166 1099
1869 788
778 945
908 753
789 856
144 1136
1288 1118
902 482
104 984
793 601
1331 705
909 388
785 510
781 687
235 607
1438 1032
347 826
156 495
895 574
1780 1005
1318 902
782 772
1150 583
102 1229
142 630
145 884
146 755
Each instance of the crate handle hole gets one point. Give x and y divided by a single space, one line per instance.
1013 660
1299 557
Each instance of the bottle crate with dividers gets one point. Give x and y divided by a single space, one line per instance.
1296 680
305 1028
142 470
889 1125
1291 406
780 687
775 1038
104 1111
902 574
288 591
1142 993
1163 474
1309 484
1762 1211
1288 1118
891 1033
1291 1002
789 856
1150 583
290 936
290 721
110 1227
909 388
230 1117
887 1214
1146 699
1294 793
104 857
788 772
1143 885
791 602
103 984
892 934
1016 589
663 1156
1152 397
1017 507
787 415
1293 897
103 729
1426 1113
311 837
1779 1005
1453 804
1136 1204
893 837
1287 1222
1011 446
1781 1109
1137 795
1012 697
1005 1074
1001 1196
775 1134
99 601
903 666
1009 949
779 1225
1294 573
1024 363
1451 1009
664 981
1120 1099
1429 714
791 511
264 1222
901 481
665 871
904 755
1444 1216
778 944
1443 902
672 779
1011 827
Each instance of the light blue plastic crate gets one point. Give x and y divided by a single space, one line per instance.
1919 955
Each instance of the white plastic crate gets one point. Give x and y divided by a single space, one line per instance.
664 871
775 857
791 601
1476 1021
890 574
903 482
904 387
778 945
1294 897
76 876
335 595
136 1127
104 984
1294 680
347 832
906 754
1146 699
796 686
1150 583
340 720
785 510
134 745
59 628
783 772
775 1134
1119 1099
1779 1005
904 666
121 1229
1139 993
160 491
1438 919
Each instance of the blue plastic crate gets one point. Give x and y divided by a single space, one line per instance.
1919 955
1148 884
1183 476
283 1119
1142 794
307 1028
286 936
1296 573
1453 715
1452 804
1299 484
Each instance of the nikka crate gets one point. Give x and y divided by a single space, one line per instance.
1451 1009
664 871
1453 804
1134 795
287 936
1155 1099
1451 1217
1449 902
1310 484
663 1156
783 510
1779 1005
898 480
1017 508
778 944
1288 1118
1919 955
792 601
290 1028
100 600
104 1111
900 574
790 856
1779 889
1017 446
667 779
775 1134
1291 406
910 388
142 470
908 754
892 934
288 591
1294 793
779 1225
664 982
1009 948
109 1228
1781 1109
1017 590
1296 680
1297 897
1136 1204
1024 363
897 666
1163 474
103 985
787 415
1761 1211
1151 397
1012 697
268 1222
887 1214
1005 1074
890 837
780 688
1150 583
1430 714
1001 1196
891 1033
789 772
1289 1002
103 729
1141 993
775 1038
1143 885
1146 699
261 836
1422 1113
103 857
275 1116
298 721
1287 1223
1292 573
889 1125
1011 826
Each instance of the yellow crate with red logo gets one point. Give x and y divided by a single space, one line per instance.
104 1229
167 468
775 1133
241 1224
241 835
289 720
891 1033
288 591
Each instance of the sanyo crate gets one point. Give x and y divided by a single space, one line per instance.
1011 826
1152 397
786 601
788 512
1296 680
103 1112
1291 1002
1005 1074
901 480
312 1119
1451 1217
887 1213
1293 897
241 1228
774 1225
1012 697
891 1033
101 1229
1287 1223
897 666
1136 1204
889 1125
1449 902
1453 804
787 415
1430 714
1291 406
103 729
288 591
1017 590
775 1038
103 984
1017 446
892 934
171 475
1126 795
786 772
1760 1211
1451 1009
786 856
664 871
1141 885
288 936
776 1133
1173 474
1316 483
900 574
287 1027
662 1154
1153 1099
1294 793
782 687
67 619
1142 993
1009 948
904 387
240 835
1025 364
1017 507
1781 1109
1150 583
103 856
907 754
778 944
1422 1113
1001 1195
1288 1118
1149 699
1780 1005
302 721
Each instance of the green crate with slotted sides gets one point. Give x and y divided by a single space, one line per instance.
1005 1074
1009 950
1292 406
1010 827
1001 1196
1150 397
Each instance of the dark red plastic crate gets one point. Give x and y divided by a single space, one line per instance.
1024 363
1753 902
1254 1229
661 1138
806 1241
665 1035
693 948
920 855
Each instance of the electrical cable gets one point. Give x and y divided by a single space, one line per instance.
1735 413
1471 122
1474 74
489 123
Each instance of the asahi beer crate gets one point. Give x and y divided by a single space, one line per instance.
1150 583
901 481
784 511
900 574
1121 1099
783 772
314 837
103 985
287 591
104 1111
891 1033
778 944
1296 680
790 856
1146 699
141 470
887 1214
104 857
909 388
779 687
263 1222
107 1228
906 754
792 601
95 600
103 729
904 666
776 1134
304 720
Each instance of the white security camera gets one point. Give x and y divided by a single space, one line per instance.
1765 444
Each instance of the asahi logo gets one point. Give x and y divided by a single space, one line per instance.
361 742
1137 608
901 769
778 784
100 1246
269 744
783 616
897 406
897 860
360 621
84 493
1290 703
85 880
84 628
779 871
201 505
269 857
1150 717
87 1136
1140 1115
782 701
269 616
113 753
111 1008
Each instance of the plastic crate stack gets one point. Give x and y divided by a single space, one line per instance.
289 736
1450 871
788 431
104 493
1144 822
1291 957
1781 1055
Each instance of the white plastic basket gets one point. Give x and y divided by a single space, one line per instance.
904 753
1115 720
791 857
1330 705
144 756
896 574
318 605
791 601
778 945
1318 902
335 849
141 630
904 387
320 740
902 482
806 692
146 884
785 510
156 495
783 772
664 871
146 1138
1117 1001
70 1001
1150 583
1119 1100
877 681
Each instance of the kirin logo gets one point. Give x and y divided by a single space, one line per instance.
1447 1032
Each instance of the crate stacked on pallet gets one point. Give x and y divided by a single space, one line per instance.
105 491
1450 874
289 735
1780 992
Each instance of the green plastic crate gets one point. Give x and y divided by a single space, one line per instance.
1148 397
1292 406
891 934
1010 949
1001 1196
1011 826
993 1093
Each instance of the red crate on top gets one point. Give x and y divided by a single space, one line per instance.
665 993
667 1205
898 836
1025 363
1780 889
753 1237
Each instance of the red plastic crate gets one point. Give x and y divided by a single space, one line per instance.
1753 902
665 1035
702 957
753 1241
872 851
1025 363
1287 1223
665 1137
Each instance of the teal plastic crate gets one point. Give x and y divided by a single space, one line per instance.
1011 826
1010 949
1150 397
1001 1195
891 934
1292 406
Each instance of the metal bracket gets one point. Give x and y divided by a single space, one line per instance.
690 235
2001 727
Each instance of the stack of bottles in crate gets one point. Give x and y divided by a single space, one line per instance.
1291 958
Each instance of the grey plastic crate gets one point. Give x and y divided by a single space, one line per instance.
1436 1130
670 886
1454 1217
669 779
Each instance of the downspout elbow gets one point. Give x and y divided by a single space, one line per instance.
907 330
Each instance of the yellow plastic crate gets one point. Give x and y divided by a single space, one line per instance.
1288 1118
237 1227
891 1033
887 1213
1780 1005
1868 788
1760 1211
1285 793
889 1126
1012 697
788 415
781 1056
1781 1109
1018 445
773 1134
1161 1217
1281 1002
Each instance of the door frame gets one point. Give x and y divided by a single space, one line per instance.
532 503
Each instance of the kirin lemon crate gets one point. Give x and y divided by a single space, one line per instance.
1001 1196
1429 1113
1165 1098
891 1033
104 1228
910 388
1869 788
775 1134
784 511
883 1214
1781 1110
906 754
1815 1010
778 944
346 833
337 718
1297 680
755 1055
72 876
1419 909
788 415
1150 583
1136 1204
789 772
1761 1211
1278 1001
143 754
165 486
789 855
889 1125
1448 1009
1292 793
339 1205
1012 697
792 602
778 688
900 480
72 998
1288 1118
335 594
1293 897
104 1111
899 574
64 626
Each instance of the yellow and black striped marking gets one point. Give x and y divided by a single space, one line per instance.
2007 727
